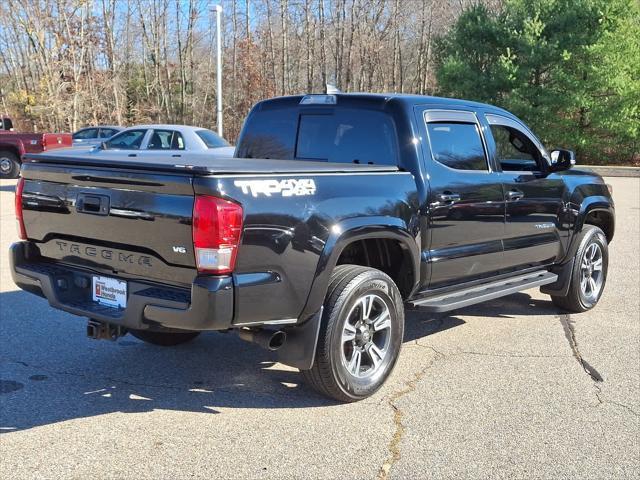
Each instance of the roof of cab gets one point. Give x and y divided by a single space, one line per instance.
381 99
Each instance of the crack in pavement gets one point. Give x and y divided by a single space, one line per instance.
410 386
622 405
488 354
511 355
438 353
398 414
570 334
602 401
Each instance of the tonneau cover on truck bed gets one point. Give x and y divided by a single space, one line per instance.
203 164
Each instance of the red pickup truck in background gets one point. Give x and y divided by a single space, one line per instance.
13 145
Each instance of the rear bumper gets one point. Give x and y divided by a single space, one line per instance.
208 306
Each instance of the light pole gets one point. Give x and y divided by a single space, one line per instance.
218 9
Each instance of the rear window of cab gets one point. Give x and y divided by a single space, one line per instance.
326 134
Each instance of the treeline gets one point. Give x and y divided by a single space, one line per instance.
69 63
564 65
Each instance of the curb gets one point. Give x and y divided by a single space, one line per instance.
606 171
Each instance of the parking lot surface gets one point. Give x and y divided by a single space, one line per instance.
508 389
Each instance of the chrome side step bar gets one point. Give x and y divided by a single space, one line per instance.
481 293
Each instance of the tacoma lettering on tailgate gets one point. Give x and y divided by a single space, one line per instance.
104 253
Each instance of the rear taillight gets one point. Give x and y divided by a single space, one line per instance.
22 233
44 143
217 225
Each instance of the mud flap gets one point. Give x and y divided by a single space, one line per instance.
299 350
560 287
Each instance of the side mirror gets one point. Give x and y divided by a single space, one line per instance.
562 159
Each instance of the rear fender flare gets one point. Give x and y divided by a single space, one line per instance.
349 231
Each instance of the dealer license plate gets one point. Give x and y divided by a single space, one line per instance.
110 292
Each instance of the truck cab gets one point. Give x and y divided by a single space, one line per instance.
491 199
6 124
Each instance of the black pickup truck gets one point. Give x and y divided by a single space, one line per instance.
336 212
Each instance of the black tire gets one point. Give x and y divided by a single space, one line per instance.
577 300
164 339
9 165
330 375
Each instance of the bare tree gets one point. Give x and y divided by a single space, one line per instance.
69 63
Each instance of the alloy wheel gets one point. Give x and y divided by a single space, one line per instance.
5 165
366 336
591 274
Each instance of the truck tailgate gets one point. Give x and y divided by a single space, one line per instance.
126 223
51 141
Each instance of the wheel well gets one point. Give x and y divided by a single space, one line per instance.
10 149
603 220
387 255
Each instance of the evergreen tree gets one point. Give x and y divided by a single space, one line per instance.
569 68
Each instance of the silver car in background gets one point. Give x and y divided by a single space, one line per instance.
155 142
144 141
92 136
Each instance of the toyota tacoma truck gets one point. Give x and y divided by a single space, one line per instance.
339 211
14 145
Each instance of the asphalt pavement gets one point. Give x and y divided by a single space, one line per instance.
509 389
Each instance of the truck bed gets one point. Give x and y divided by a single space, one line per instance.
203 164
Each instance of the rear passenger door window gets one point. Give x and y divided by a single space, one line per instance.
107 132
457 145
86 134
166 140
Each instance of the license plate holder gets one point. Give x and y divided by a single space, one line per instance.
109 291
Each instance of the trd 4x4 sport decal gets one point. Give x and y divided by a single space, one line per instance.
290 187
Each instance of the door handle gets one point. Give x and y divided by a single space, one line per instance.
133 155
177 155
514 195
449 197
